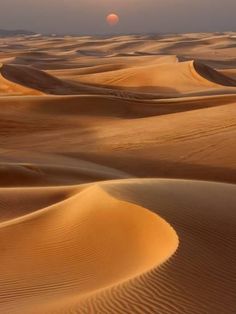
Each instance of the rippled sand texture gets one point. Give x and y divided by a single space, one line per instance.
117 174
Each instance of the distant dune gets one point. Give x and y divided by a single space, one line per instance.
186 77
17 32
117 174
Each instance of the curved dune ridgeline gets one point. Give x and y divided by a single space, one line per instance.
77 242
117 174
212 75
29 81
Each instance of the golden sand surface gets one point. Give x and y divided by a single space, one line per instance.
117 174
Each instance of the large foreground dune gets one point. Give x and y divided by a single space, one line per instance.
117 174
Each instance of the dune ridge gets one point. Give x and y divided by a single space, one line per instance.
115 221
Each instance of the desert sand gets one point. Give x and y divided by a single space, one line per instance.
118 174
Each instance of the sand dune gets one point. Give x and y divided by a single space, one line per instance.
185 77
132 242
117 174
9 87
115 221
28 80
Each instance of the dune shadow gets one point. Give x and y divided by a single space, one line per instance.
144 167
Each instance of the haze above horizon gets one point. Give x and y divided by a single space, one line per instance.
86 17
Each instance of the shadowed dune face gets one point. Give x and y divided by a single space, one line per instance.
85 122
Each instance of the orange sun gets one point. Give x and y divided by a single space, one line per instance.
113 19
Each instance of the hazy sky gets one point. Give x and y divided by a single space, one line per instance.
88 16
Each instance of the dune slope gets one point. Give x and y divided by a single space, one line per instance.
89 236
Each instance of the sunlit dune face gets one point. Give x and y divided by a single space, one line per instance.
112 19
